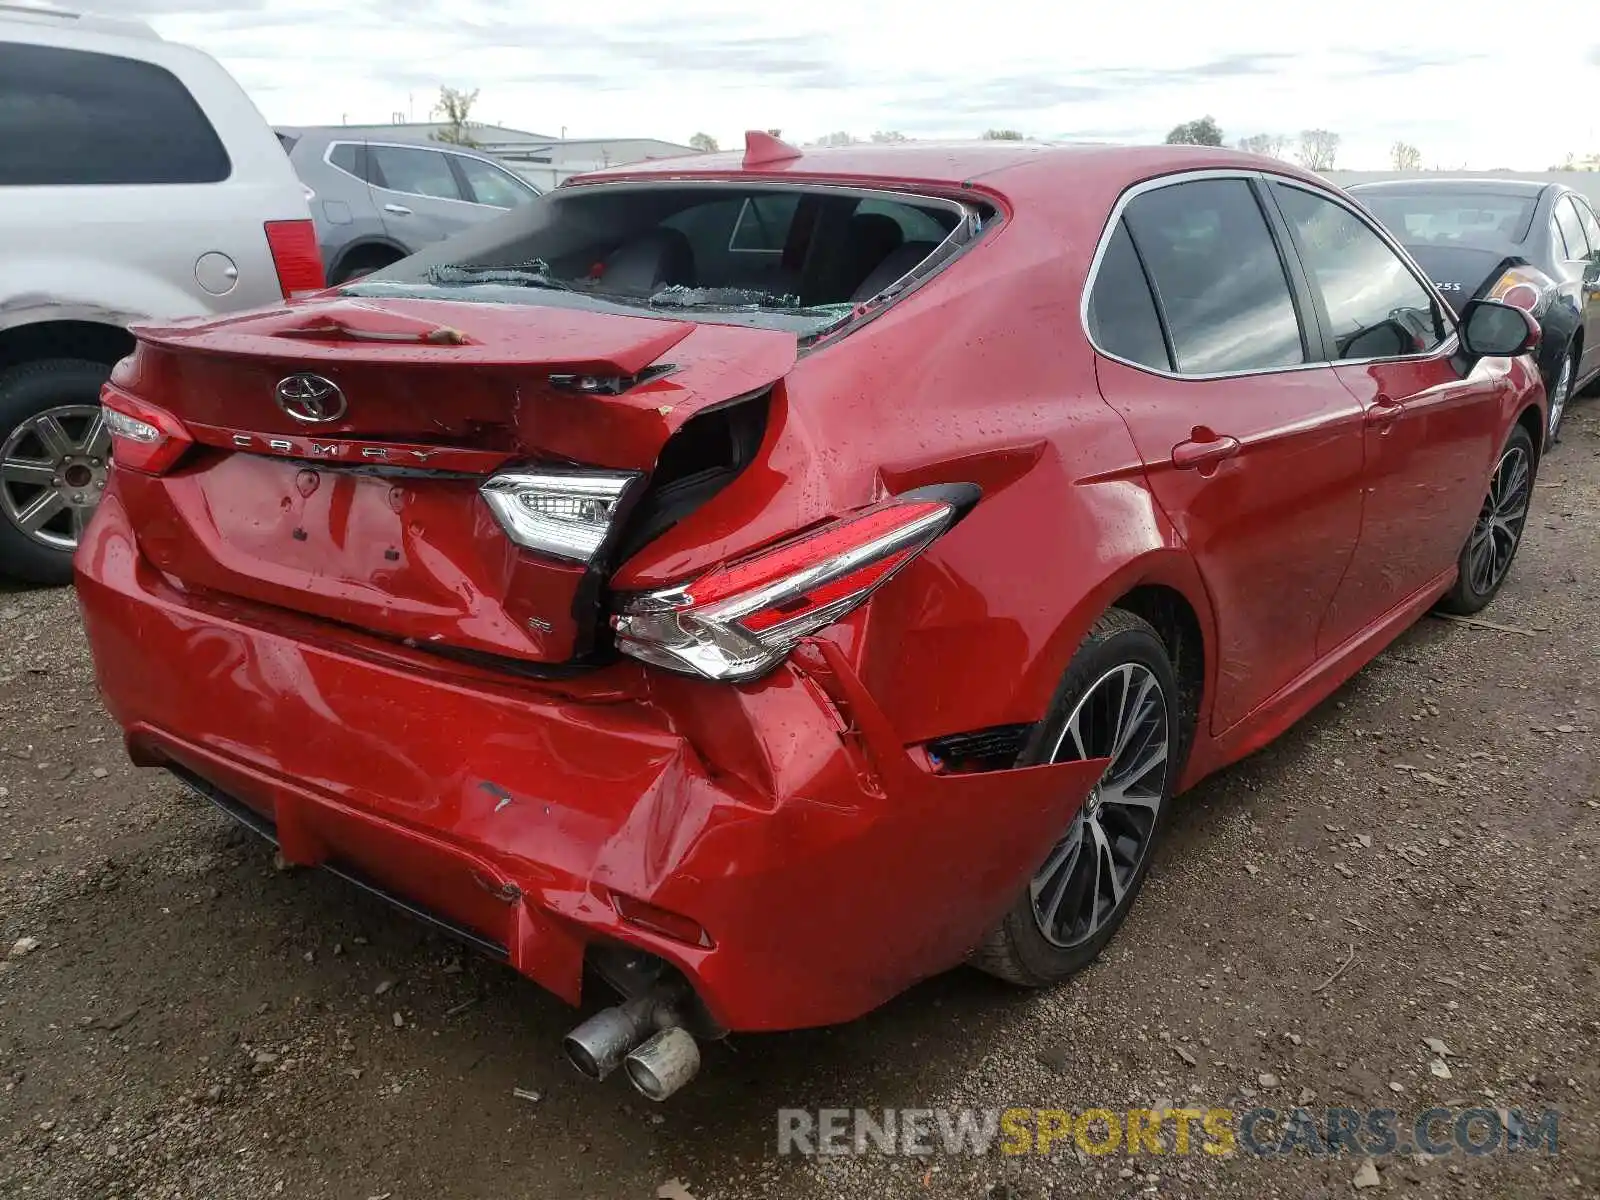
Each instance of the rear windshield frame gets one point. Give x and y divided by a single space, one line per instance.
974 217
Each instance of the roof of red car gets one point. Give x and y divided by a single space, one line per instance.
944 163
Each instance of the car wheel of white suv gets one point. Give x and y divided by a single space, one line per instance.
54 452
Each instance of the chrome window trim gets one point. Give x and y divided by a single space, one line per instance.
1572 207
1444 349
1581 203
1558 240
327 158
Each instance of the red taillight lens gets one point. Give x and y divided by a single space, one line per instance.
143 437
1524 296
740 620
1526 288
296 257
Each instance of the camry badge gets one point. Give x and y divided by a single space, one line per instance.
311 399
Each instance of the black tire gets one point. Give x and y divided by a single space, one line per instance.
360 265
1501 520
1018 951
26 391
1566 367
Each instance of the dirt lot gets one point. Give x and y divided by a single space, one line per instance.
195 1023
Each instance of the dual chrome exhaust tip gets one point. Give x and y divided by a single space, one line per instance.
645 1037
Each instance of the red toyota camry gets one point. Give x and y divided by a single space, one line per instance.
762 583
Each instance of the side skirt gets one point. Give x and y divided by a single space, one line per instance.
1313 685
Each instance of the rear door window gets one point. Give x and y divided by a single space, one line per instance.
1122 313
414 171
350 158
1557 242
75 118
1591 226
1571 229
1376 307
490 185
1218 277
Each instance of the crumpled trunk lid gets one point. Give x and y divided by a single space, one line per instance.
371 517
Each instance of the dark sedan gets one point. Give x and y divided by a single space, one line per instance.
1534 245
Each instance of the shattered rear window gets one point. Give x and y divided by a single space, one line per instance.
799 259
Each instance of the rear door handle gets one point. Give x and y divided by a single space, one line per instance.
1384 411
399 210
1204 449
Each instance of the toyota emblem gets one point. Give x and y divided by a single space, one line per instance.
311 399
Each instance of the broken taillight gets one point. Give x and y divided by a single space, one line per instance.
143 437
740 620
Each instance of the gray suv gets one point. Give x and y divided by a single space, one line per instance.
375 202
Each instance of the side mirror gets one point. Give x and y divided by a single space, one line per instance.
1490 329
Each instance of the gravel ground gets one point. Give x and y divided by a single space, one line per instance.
195 1023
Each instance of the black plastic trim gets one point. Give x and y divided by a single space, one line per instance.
996 748
264 828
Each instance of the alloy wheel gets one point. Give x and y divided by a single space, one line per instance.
1560 394
53 471
1505 510
1122 717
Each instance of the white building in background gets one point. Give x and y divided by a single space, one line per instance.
542 159
572 156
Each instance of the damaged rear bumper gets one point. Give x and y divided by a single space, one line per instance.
828 867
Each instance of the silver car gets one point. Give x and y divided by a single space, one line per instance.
375 202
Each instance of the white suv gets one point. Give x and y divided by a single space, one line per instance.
137 182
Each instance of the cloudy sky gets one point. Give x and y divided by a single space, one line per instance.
1461 81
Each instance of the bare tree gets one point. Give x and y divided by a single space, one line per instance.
889 135
1318 149
1270 144
1204 132
777 133
1002 135
838 137
455 107
704 143
1405 157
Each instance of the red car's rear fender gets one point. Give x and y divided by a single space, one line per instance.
1163 573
